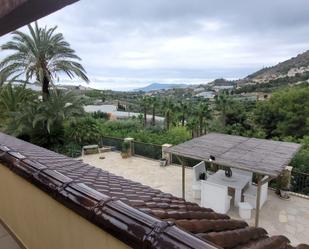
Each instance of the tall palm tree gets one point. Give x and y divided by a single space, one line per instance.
222 102
183 107
40 55
154 103
168 109
144 104
202 112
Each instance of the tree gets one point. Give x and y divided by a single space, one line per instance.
83 131
168 107
222 102
41 55
286 113
12 99
43 122
202 112
183 108
154 103
144 103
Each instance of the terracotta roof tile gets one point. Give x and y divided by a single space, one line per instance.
204 223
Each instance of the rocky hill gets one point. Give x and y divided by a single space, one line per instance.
290 68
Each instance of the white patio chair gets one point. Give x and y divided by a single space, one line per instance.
196 182
215 196
251 193
244 173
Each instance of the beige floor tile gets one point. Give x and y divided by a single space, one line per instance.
278 217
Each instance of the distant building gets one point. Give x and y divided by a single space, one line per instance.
221 88
206 95
199 89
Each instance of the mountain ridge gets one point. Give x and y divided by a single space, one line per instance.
160 86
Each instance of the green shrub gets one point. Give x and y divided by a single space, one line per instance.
301 159
83 131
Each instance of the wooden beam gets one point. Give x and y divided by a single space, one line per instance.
258 198
183 176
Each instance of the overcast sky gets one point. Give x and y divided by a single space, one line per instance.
125 44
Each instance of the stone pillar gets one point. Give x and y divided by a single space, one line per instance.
287 172
167 155
130 140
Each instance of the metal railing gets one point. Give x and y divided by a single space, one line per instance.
113 141
300 182
153 151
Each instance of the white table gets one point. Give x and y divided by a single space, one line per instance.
236 181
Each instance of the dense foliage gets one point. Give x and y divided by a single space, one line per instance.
41 54
56 119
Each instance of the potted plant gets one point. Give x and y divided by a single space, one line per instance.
163 162
284 185
125 149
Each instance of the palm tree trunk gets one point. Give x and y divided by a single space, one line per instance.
167 121
153 115
45 88
201 125
145 116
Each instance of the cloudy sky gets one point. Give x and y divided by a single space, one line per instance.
125 44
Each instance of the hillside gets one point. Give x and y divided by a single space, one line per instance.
159 86
289 68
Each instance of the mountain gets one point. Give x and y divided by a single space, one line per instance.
159 86
290 68
221 82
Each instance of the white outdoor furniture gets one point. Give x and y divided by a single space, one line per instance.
196 182
215 196
237 182
251 192
245 210
243 172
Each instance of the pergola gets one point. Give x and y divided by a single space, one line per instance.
260 156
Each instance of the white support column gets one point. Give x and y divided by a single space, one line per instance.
166 155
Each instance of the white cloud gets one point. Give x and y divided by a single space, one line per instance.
126 44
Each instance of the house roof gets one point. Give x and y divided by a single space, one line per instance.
17 13
138 215
266 157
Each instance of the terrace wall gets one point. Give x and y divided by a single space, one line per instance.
38 221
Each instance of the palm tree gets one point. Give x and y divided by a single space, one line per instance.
222 102
41 55
12 99
144 104
154 103
183 107
60 106
192 125
43 122
168 109
202 112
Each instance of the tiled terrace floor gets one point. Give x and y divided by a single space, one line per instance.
290 218
6 241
